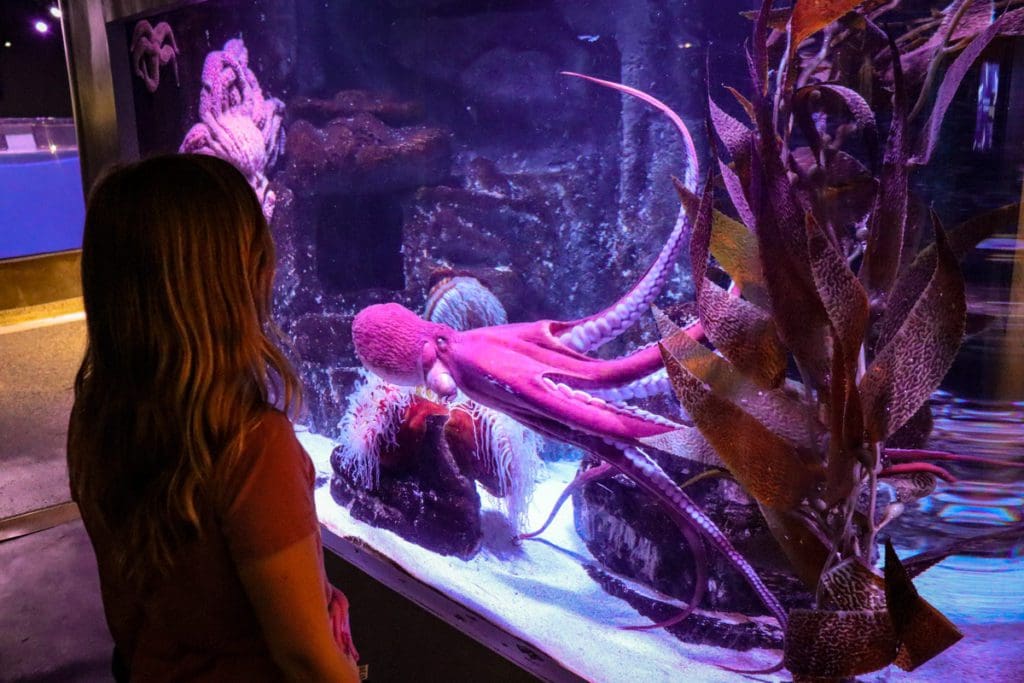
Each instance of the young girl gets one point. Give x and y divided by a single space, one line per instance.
193 488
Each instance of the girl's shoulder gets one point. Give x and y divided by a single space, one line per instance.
271 434
265 497
268 448
271 422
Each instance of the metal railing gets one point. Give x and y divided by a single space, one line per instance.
34 135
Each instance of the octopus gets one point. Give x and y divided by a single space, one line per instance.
237 122
500 453
152 48
539 374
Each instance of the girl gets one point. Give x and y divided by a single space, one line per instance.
193 488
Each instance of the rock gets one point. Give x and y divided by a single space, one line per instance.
324 389
702 629
630 535
292 256
339 238
338 228
326 362
390 109
420 5
496 68
361 154
527 236
425 499
502 79
324 339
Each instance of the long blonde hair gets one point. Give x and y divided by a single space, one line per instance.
181 361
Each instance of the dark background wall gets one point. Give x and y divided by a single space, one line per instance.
33 72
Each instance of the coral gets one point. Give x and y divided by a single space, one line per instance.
237 123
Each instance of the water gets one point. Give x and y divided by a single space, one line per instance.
433 155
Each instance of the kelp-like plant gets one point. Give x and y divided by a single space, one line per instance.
825 281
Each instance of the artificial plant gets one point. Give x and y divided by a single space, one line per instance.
837 329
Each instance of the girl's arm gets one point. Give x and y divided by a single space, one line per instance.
286 590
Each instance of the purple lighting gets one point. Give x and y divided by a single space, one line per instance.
41 26
985 112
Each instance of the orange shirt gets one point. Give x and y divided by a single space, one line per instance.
198 624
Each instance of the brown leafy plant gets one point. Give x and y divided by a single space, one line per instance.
826 282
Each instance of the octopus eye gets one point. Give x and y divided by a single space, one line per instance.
441 343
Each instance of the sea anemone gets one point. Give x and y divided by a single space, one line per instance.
370 424
463 303
506 455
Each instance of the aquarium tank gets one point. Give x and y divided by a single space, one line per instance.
681 339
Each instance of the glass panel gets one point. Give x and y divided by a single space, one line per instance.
436 156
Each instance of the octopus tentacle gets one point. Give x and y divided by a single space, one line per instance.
907 460
593 399
690 535
902 454
593 331
654 384
913 467
692 172
582 477
648 474
756 672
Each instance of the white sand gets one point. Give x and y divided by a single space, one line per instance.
539 592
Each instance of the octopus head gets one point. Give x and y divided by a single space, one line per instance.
402 348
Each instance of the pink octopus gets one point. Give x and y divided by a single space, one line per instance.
538 374
237 123
152 48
